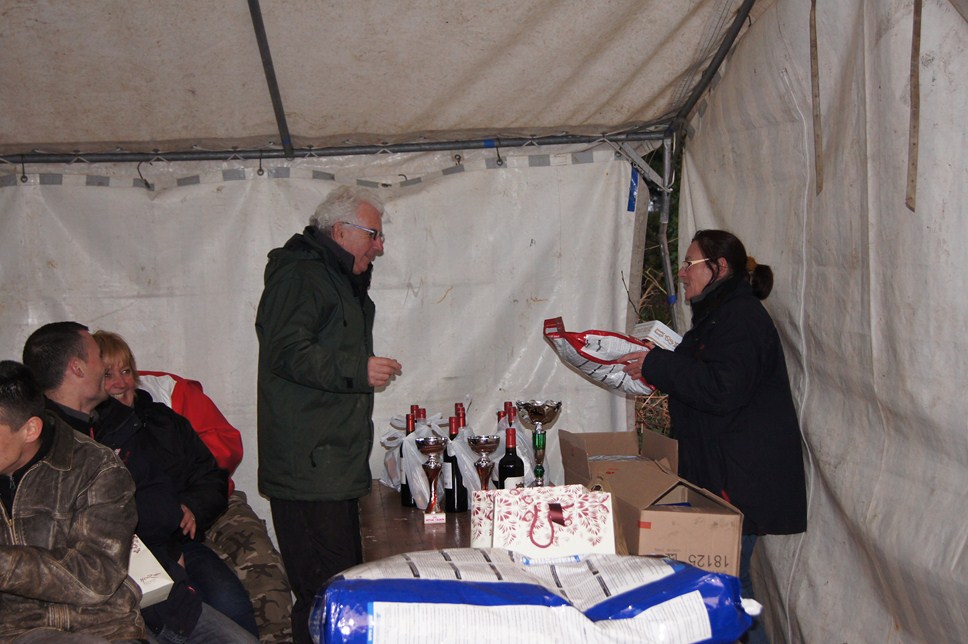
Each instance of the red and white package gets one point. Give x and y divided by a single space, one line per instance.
595 353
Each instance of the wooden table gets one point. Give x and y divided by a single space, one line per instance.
388 528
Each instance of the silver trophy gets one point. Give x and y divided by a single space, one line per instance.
535 414
484 446
433 447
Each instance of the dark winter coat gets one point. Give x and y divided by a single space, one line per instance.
732 410
315 403
159 512
172 443
64 547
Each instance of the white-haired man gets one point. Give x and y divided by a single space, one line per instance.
317 376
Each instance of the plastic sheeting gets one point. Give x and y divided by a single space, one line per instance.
478 255
477 594
869 301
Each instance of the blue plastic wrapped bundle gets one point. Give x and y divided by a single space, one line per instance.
474 595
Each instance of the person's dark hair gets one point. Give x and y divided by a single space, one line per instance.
20 395
721 243
49 349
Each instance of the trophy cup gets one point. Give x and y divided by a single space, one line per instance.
433 447
535 414
484 446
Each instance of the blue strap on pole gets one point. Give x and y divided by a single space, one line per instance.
633 189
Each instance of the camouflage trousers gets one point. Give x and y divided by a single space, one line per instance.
241 539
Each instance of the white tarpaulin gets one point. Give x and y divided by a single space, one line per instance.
869 300
868 261
140 75
478 255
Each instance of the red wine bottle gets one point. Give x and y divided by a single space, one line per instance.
510 412
510 469
455 493
406 497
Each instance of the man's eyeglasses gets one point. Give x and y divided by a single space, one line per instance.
689 262
374 234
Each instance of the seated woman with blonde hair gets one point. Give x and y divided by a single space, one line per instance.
201 485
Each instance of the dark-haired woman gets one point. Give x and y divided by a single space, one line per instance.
729 393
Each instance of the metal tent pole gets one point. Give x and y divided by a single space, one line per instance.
670 277
270 71
350 150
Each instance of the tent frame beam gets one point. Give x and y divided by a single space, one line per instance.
679 122
255 10
310 152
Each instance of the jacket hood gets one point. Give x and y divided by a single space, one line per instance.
313 245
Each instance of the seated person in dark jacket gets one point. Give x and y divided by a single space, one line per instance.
201 486
66 361
64 552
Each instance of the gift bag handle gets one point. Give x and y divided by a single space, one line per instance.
556 514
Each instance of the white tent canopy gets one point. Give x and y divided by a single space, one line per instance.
140 75
841 164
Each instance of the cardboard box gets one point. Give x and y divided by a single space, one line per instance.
658 513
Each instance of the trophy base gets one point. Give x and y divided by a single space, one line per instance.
434 517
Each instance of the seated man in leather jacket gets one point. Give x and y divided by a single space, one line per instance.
69 506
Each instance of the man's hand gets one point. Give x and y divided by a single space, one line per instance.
188 522
381 370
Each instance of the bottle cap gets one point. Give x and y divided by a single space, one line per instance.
510 438
454 427
411 424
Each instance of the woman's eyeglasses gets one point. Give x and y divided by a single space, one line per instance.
686 265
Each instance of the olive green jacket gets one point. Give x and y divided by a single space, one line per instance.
315 403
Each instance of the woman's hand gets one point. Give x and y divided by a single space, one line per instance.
188 522
633 363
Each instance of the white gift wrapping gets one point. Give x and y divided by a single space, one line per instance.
544 522
482 514
395 436
150 576
482 518
550 522
413 460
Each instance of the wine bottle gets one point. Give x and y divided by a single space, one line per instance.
406 497
455 493
510 412
510 469
501 416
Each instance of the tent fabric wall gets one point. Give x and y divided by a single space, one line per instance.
868 299
478 255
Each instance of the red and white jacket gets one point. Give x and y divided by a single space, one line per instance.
187 398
